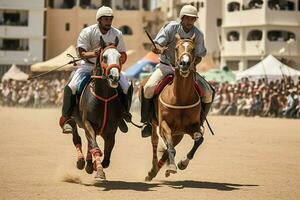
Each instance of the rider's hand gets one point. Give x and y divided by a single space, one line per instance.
158 49
97 52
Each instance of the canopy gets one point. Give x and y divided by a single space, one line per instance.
271 68
15 73
57 61
220 75
146 64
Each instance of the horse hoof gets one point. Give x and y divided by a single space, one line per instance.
182 164
105 163
80 163
100 175
172 169
148 178
89 167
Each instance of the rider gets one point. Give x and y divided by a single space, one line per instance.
88 44
165 46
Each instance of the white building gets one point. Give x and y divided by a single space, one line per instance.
253 29
21 32
209 22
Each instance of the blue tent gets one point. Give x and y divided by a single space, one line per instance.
141 66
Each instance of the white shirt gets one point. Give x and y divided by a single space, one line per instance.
89 39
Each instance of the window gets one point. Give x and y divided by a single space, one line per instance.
68 4
106 3
233 6
254 35
198 5
14 17
233 64
14 44
219 22
233 36
126 30
281 5
280 36
251 63
86 4
67 26
51 3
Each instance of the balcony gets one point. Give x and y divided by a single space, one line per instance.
16 57
19 31
232 48
240 16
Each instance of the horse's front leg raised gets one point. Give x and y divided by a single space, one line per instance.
198 140
78 145
95 150
166 134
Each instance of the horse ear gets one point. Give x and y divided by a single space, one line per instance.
193 37
102 43
116 41
177 36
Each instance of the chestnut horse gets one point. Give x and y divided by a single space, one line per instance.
178 109
98 112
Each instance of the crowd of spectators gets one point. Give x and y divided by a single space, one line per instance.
280 98
37 93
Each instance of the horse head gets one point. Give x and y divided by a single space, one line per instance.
109 60
184 55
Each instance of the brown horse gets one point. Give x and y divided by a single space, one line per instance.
178 110
99 111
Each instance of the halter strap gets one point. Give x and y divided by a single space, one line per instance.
106 101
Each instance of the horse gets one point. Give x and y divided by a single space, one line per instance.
177 112
98 111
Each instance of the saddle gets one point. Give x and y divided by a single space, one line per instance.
168 79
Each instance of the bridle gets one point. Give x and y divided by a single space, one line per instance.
104 66
185 52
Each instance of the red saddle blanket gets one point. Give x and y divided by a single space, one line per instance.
168 79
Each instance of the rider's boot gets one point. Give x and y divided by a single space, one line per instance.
126 101
69 101
146 114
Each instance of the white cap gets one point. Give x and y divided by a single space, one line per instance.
104 11
188 10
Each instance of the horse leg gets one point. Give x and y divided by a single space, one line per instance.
154 170
198 140
89 168
109 143
167 136
95 150
77 143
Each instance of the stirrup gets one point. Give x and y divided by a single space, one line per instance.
67 128
146 130
127 116
123 126
202 130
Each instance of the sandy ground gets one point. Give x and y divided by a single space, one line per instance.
248 158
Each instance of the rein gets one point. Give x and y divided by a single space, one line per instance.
104 76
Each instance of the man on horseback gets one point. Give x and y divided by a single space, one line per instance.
88 47
165 46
